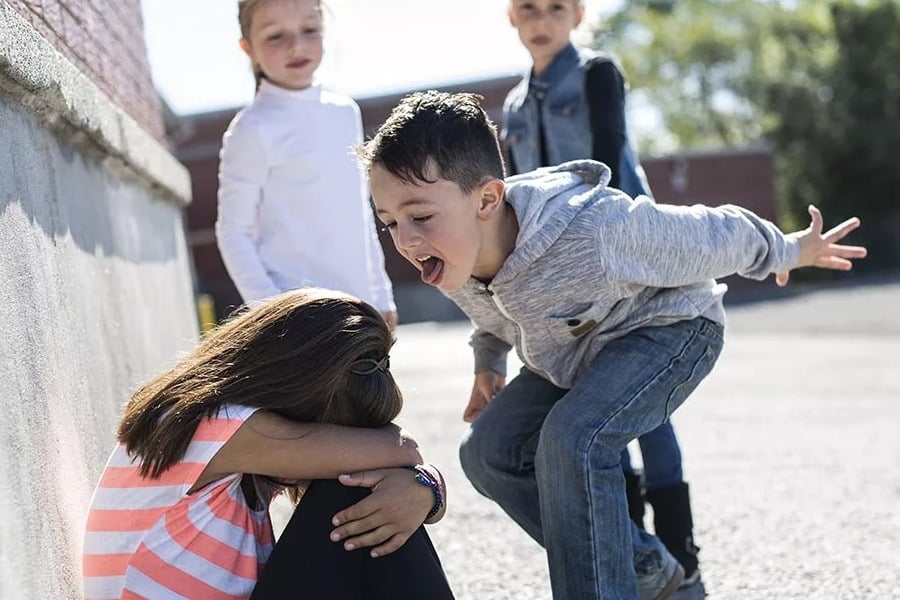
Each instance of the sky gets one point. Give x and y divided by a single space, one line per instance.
372 47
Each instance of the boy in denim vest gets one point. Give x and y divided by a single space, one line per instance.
610 302
571 106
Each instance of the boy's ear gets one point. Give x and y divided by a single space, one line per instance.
491 198
579 13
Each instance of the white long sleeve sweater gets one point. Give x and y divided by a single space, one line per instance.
293 202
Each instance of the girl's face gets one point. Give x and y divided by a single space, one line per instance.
544 26
285 41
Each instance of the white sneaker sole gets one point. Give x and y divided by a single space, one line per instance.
673 584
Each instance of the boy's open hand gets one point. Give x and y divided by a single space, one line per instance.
819 249
487 385
386 518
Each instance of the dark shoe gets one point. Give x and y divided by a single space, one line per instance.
634 492
674 524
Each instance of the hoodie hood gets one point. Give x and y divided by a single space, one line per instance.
545 201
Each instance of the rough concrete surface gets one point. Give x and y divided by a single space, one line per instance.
791 448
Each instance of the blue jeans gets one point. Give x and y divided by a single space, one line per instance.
550 457
662 458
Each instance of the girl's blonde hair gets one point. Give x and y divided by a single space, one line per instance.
308 355
245 18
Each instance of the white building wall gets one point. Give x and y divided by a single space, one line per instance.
95 296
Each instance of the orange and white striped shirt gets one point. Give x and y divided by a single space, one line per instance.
147 538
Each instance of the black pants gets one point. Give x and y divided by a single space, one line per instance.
307 564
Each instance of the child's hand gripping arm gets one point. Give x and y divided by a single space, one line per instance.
267 444
819 249
396 508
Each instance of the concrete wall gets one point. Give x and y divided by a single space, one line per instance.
95 295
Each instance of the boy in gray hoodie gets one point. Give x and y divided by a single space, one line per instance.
611 304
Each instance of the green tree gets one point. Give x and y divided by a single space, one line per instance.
818 82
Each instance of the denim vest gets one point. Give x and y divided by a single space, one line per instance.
560 98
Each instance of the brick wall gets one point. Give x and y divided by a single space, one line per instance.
105 40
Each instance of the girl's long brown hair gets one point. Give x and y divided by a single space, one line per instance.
294 355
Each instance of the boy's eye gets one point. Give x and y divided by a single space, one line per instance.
274 37
388 226
422 219
311 31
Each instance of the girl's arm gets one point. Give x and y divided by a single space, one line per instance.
605 91
242 174
378 281
267 444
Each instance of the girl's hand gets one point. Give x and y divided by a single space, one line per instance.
487 385
394 510
390 317
820 250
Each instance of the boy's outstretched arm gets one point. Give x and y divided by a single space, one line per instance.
819 249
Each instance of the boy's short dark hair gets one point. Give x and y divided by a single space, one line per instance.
453 130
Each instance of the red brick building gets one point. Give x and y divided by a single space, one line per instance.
104 41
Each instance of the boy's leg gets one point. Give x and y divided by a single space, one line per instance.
306 563
662 457
631 387
497 451
668 494
634 490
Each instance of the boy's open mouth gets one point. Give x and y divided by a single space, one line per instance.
432 269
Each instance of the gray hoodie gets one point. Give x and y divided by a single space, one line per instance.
591 264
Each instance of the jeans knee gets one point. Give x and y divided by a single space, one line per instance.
486 458
566 438
471 456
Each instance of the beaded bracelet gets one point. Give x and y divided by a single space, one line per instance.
424 477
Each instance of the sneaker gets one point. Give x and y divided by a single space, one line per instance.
658 575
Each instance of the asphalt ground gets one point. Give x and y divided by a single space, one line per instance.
791 448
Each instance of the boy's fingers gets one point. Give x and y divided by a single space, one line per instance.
816 216
834 263
840 231
473 409
848 251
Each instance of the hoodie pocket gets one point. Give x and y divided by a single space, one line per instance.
573 325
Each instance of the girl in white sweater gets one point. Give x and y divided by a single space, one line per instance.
293 203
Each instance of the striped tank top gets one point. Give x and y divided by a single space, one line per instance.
147 538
